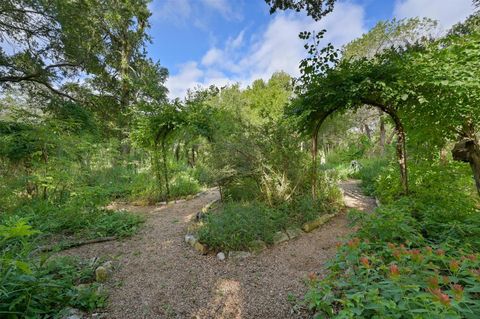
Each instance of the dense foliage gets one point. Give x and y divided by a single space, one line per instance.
85 120
416 256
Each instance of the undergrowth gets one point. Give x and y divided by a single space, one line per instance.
415 257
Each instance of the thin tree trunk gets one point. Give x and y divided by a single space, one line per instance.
401 142
165 170
475 165
314 163
156 167
368 132
383 136
401 150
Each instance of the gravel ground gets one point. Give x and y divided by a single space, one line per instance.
157 275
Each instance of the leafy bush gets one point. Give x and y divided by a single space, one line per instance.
183 184
77 219
236 225
370 171
241 189
35 288
390 271
397 281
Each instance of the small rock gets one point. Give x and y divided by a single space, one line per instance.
239 254
280 237
294 232
72 313
108 265
221 256
201 248
101 274
257 246
190 239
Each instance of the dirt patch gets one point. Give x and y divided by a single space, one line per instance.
159 276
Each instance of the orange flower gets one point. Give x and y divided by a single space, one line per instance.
354 243
454 265
416 256
391 246
397 254
394 271
446 280
439 296
457 291
433 282
312 276
440 252
472 257
476 273
364 261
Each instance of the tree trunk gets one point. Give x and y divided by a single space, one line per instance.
402 158
165 170
401 149
156 167
401 145
368 132
475 165
177 152
314 163
468 150
383 136
443 156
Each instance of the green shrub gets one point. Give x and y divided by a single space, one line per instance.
236 225
35 288
73 219
396 281
183 184
241 189
370 171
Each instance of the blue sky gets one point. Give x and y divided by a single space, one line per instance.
204 42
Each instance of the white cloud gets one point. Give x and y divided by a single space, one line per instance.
447 12
172 11
224 8
277 48
187 12
188 76
212 56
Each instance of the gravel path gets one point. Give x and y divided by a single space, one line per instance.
158 276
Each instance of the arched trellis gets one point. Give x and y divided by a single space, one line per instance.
400 148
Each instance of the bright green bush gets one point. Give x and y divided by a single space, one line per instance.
370 171
31 287
76 219
184 184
